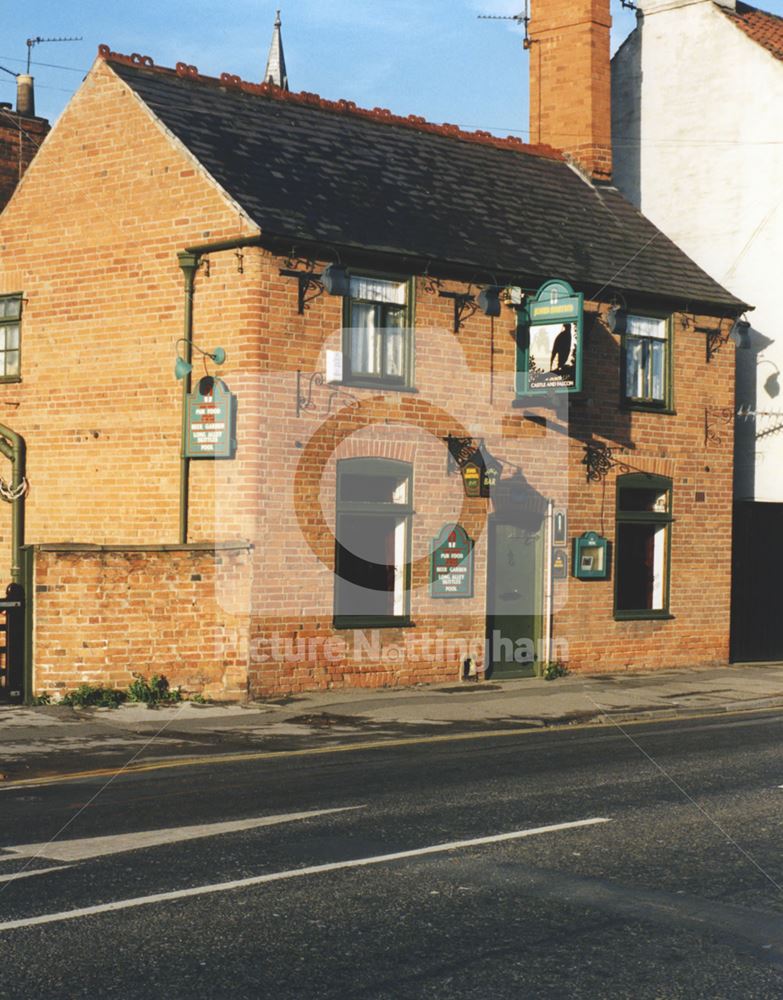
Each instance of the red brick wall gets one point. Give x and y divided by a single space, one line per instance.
101 615
466 381
570 80
20 139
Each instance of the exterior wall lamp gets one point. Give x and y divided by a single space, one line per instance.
617 318
335 280
740 334
489 300
183 367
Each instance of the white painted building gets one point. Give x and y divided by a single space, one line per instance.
697 135
697 122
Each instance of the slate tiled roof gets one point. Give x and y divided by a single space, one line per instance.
761 26
309 170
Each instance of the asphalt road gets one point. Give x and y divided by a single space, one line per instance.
673 889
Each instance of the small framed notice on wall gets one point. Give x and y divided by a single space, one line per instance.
590 557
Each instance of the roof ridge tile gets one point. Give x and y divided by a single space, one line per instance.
381 115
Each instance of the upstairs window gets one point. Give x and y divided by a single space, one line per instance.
643 545
647 356
10 333
372 559
377 337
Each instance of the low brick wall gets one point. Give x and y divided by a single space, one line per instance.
103 613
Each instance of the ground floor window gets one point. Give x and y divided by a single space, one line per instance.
372 556
642 546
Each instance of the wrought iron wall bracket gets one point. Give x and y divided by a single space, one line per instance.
307 280
459 450
464 306
340 394
715 418
716 339
599 460
305 402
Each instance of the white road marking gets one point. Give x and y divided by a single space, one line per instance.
34 871
97 847
204 890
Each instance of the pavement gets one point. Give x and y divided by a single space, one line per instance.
42 739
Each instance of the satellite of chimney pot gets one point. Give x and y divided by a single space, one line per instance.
275 64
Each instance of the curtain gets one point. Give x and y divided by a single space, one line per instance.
378 290
365 339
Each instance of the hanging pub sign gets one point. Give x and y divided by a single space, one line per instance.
480 473
479 469
211 418
549 341
493 469
451 563
473 476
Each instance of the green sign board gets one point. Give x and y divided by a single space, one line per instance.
451 563
549 341
211 421
591 557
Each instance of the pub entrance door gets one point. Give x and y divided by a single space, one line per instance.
514 599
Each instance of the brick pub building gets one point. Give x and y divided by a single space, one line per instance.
471 410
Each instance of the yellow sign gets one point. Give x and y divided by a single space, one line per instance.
471 479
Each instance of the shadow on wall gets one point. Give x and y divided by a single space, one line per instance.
749 402
756 623
598 414
626 116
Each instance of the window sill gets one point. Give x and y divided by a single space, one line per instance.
629 405
368 621
8 379
643 616
369 384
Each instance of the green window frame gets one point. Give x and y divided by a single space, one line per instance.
647 367
374 511
643 546
10 337
378 331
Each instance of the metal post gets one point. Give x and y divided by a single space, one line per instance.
189 263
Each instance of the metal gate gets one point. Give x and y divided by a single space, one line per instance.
12 645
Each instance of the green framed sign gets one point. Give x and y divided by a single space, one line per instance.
451 563
591 557
550 340
211 421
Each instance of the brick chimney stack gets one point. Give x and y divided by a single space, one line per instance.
570 81
21 133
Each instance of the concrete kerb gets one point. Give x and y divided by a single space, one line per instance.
573 700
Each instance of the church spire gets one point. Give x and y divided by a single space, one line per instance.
275 64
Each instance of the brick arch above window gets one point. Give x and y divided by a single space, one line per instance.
377 447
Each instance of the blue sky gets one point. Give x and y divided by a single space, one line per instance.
428 57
